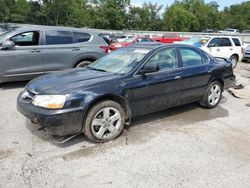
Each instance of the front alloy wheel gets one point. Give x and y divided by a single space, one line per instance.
105 121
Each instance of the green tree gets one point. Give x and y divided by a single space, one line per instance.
110 14
20 11
146 17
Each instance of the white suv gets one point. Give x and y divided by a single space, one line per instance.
223 46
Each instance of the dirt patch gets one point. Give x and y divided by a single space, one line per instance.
238 144
5 154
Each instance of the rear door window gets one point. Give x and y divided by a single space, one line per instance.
81 37
26 39
225 42
236 42
192 57
58 37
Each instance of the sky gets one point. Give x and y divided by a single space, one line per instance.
222 3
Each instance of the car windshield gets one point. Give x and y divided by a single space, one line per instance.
204 41
4 34
121 61
193 39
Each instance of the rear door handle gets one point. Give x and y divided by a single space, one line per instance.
217 50
75 49
177 77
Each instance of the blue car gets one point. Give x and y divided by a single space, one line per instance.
100 99
194 41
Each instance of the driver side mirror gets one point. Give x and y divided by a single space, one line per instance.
149 69
8 44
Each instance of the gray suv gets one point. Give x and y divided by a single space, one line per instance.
31 51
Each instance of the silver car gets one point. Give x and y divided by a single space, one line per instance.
246 54
31 51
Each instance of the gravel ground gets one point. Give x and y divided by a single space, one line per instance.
186 146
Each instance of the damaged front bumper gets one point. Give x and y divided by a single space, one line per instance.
59 122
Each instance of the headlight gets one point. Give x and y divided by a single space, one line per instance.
49 101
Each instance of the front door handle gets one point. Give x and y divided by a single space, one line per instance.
177 77
217 50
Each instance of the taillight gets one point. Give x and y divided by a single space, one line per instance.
104 48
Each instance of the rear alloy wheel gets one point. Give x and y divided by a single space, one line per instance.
212 95
105 121
234 60
83 64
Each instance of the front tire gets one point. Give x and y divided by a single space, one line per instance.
105 121
212 96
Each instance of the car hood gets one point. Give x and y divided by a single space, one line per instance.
70 81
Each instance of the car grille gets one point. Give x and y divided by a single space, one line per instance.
27 97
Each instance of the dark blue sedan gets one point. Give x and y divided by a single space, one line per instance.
100 99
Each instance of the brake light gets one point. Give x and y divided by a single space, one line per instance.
104 48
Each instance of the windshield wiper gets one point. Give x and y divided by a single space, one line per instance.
92 68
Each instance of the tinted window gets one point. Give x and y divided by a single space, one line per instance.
215 42
191 57
236 42
59 37
106 40
26 39
81 37
165 59
225 42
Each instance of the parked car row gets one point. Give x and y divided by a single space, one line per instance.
104 92
225 31
229 47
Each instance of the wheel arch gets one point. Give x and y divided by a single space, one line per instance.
114 97
237 55
92 59
218 80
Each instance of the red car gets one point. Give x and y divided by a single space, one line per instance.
129 41
170 38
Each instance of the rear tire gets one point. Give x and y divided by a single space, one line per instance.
82 64
234 60
212 96
105 121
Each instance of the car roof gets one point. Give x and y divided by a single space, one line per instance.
42 27
156 45
219 36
